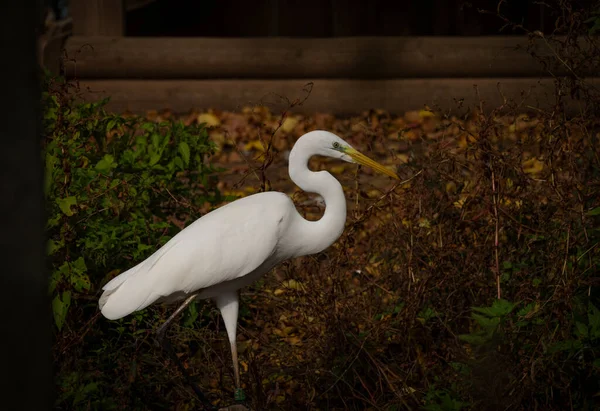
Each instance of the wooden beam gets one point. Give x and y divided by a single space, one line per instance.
51 44
97 17
340 97
263 58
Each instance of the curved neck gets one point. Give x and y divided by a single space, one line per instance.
315 236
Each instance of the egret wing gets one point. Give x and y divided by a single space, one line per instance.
225 244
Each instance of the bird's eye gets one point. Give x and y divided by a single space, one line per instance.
336 145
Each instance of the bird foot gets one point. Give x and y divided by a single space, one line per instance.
239 395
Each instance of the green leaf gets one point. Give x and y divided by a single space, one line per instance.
53 222
499 308
107 164
179 163
154 158
111 124
192 315
60 307
65 204
526 310
426 314
78 275
53 246
595 211
594 321
581 329
79 265
155 138
54 280
398 308
51 161
184 150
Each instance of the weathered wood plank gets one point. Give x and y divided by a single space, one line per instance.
336 96
98 17
262 58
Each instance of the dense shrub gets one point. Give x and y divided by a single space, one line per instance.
114 187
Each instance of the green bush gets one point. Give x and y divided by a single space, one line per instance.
115 187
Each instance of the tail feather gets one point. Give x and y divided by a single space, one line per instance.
133 290
123 295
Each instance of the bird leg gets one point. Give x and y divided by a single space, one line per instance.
164 342
160 333
228 304
236 366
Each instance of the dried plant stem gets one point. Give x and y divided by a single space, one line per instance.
495 198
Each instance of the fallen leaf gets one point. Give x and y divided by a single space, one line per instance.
254 145
209 119
533 166
289 124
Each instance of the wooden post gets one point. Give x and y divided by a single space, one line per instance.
25 352
98 17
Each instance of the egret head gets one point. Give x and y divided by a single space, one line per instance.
337 148
324 143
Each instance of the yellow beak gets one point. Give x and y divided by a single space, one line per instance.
366 161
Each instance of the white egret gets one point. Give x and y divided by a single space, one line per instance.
236 244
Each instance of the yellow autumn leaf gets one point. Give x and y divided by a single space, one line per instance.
461 201
278 291
408 135
293 284
242 346
217 137
234 193
288 330
295 340
402 157
244 365
372 270
451 187
339 169
289 124
426 114
209 119
533 166
254 145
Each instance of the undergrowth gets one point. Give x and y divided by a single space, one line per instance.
471 285
116 188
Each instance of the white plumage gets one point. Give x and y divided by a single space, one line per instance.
234 245
208 255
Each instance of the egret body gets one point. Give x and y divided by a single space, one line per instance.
236 244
